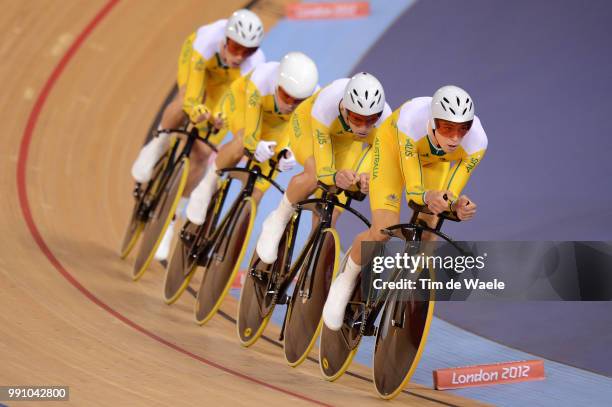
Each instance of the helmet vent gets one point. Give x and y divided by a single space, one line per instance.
359 103
366 95
451 109
458 101
443 107
445 99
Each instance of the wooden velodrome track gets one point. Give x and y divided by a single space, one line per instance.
82 81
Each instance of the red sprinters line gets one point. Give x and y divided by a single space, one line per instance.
24 203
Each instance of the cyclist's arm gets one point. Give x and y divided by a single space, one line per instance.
411 167
231 106
323 152
196 86
253 116
461 172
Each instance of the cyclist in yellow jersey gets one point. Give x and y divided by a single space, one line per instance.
331 135
414 149
211 59
256 109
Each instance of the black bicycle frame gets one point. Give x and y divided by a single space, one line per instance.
324 208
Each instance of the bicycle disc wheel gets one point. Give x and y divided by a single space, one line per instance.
225 260
136 224
183 265
398 348
338 348
304 315
132 232
163 213
256 303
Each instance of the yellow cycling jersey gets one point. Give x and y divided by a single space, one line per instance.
317 129
405 157
250 105
203 73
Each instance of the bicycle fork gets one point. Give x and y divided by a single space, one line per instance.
305 288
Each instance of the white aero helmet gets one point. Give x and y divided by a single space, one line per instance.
453 104
298 75
364 95
245 28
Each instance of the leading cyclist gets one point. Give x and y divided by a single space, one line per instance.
414 149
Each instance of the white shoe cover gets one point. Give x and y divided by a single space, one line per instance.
142 169
337 300
271 234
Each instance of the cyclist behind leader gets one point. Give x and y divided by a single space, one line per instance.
211 59
256 109
414 149
328 133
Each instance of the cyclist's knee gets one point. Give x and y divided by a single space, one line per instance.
310 180
257 195
431 220
310 173
200 154
376 235
237 149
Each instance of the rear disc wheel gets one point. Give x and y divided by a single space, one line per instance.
256 303
304 315
399 344
224 263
